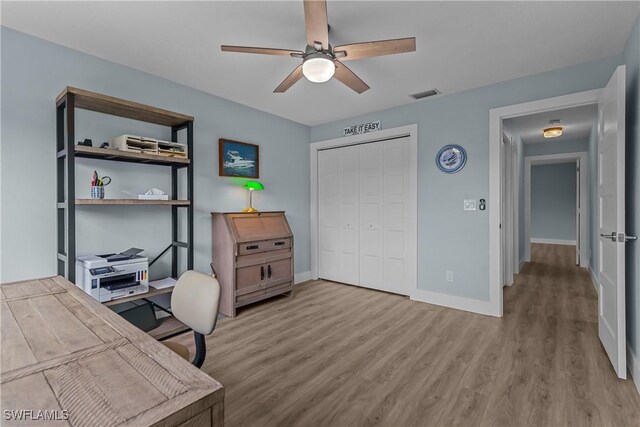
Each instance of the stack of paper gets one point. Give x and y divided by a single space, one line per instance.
167 282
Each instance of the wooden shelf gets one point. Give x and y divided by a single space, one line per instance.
152 293
93 101
168 326
132 202
126 156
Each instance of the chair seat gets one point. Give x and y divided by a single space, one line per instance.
180 349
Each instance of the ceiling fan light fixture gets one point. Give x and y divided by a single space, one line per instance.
552 132
318 67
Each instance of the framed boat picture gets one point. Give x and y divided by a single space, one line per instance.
238 159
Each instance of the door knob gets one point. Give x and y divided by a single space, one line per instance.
611 236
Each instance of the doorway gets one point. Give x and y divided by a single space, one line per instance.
609 143
553 230
501 250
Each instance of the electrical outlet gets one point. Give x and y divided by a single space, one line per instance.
449 276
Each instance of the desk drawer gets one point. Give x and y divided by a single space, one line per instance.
265 245
262 257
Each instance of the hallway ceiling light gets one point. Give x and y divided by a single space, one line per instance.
554 131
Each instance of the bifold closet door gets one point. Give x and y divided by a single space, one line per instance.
338 214
396 250
364 208
384 200
371 179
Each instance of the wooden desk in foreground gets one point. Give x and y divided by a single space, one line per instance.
66 354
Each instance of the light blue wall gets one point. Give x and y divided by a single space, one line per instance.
557 147
553 201
448 237
35 71
631 57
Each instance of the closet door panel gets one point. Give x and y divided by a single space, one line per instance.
371 196
348 214
328 221
396 200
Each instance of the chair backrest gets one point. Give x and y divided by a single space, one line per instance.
195 301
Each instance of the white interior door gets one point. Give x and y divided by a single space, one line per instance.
578 212
508 217
503 211
338 214
611 157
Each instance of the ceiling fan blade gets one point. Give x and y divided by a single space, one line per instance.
346 76
317 23
290 80
375 48
262 50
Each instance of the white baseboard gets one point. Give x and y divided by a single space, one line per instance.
522 263
634 367
452 301
593 278
553 241
302 277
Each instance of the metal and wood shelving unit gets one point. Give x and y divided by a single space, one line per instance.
67 152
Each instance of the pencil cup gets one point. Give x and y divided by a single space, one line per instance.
97 192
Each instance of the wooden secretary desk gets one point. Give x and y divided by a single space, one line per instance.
252 256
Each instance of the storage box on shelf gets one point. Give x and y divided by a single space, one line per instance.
136 144
146 145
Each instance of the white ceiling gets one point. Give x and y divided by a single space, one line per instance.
460 45
575 121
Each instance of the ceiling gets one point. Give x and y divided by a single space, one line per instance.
460 45
576 123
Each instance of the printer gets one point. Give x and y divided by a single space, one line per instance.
111 276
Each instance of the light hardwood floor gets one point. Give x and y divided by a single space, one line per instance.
339 355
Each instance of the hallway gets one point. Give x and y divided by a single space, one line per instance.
337 355
558 361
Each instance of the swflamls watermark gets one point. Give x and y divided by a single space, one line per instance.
35 414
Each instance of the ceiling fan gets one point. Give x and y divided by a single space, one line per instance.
321 61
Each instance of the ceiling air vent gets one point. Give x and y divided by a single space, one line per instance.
426 94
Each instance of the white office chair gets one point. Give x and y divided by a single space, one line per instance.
194 302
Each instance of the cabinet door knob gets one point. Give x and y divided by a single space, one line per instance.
262 272
269 271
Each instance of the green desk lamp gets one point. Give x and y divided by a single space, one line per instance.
252 186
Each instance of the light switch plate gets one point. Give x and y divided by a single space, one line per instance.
469 204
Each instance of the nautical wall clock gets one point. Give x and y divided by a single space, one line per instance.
451 158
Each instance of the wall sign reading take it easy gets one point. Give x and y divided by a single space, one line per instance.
363 128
